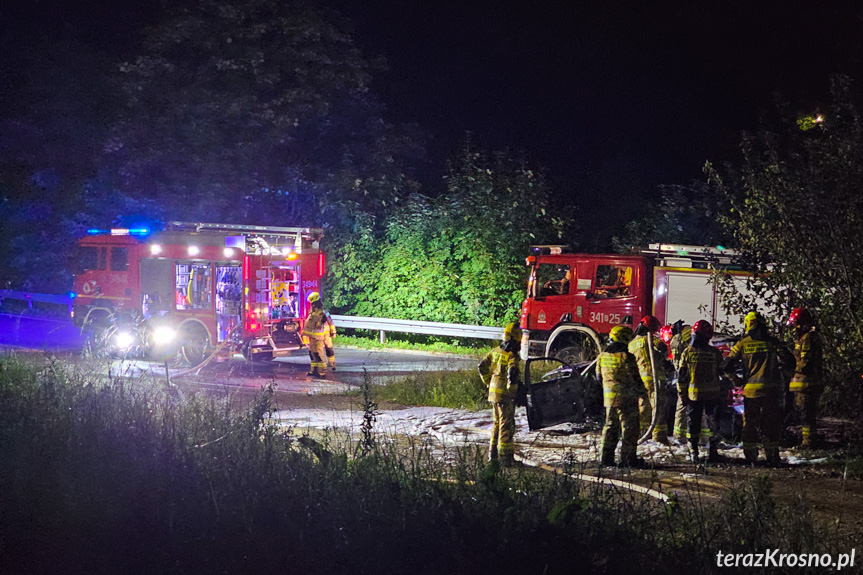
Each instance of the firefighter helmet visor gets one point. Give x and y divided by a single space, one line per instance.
512 332
621 334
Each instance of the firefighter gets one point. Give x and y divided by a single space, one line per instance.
329 336
699 389
314 329
808 380
648 368
499 371
760 355
617 371
682 334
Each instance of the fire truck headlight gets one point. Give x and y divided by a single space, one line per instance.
124 340
163 335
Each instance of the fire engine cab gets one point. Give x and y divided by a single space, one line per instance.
573 300
201 285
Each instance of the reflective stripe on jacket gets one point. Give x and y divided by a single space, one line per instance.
618 373
638 348
499 371
678 344
698 378
760 359
315 324
809 360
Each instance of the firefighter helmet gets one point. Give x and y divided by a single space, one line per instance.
313 297
651 323
751 320
512 332
621 334
703 328
666 333
800 317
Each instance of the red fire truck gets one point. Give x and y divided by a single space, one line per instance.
575 299
194 286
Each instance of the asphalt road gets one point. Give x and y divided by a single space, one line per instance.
289 373
29 332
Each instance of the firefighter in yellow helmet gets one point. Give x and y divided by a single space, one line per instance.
761 356
699 389
499 371
314 329
808 380
644 338
681 336
617 371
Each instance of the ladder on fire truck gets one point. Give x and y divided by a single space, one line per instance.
679 255
309 233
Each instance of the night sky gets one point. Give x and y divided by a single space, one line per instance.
613 98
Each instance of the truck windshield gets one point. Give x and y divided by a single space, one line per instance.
552 279
88 258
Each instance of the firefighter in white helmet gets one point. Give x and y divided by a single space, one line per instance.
314 329
500 372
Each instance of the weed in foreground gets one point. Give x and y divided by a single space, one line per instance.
114 475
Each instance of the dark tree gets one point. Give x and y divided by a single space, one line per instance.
259 111
796 210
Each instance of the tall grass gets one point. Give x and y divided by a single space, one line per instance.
457 389
123 476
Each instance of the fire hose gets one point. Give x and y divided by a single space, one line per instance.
211 357
656 391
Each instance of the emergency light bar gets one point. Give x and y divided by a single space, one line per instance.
119 232
554 250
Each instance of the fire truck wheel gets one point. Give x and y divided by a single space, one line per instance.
95 333
256 357
194 347
576 354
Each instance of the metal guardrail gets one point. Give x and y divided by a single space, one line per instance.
379 324
30 297
384 325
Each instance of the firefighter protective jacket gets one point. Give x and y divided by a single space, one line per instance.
809 369
679 343
698 378
638 348
617 370
316 324
760 355
499 371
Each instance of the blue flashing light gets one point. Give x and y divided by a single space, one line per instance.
95 231
139 231
72 295
720 248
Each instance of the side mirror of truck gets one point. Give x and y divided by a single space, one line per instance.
589 295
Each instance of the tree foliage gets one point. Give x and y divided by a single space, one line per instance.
257 110
796 210
458 257
683 214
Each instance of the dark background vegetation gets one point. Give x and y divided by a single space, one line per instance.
436 141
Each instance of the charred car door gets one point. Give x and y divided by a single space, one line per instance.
555 392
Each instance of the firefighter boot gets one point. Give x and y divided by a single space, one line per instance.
633 462
507 460
607 458
713 453
773 459
693 452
